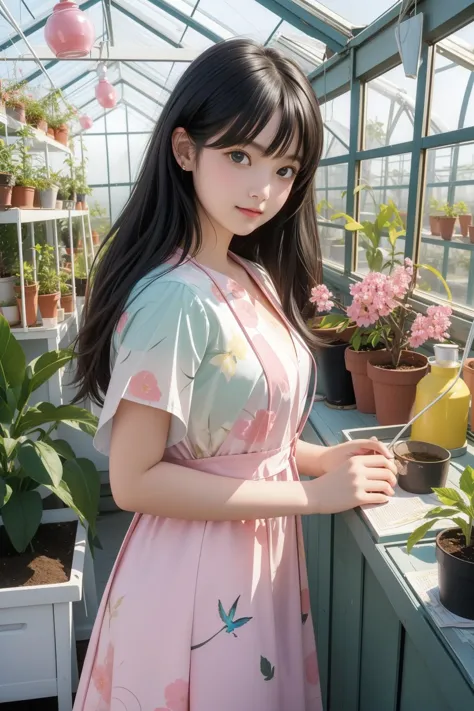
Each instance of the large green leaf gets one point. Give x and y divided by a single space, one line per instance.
8 445
439 276
467 481
6 413
83 481
63 493
44 413
5 492
62 447
465 528
40 462
351 224
21 518
418 534
12 356
449 497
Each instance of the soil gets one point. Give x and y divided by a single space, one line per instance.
47 561
400 367
455 545
421 457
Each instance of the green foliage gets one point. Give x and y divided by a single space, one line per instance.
449 210
29 457
456 506
8 250
461 208
436 207
48 279
7 162
28 274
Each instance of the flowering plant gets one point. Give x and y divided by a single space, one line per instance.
381 310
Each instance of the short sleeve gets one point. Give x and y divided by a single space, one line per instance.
159 344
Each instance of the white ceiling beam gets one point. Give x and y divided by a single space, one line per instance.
131 53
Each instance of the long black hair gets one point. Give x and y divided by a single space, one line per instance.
231 90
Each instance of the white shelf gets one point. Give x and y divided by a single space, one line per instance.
40 332
39 140
10 216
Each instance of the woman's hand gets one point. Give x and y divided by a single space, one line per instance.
361 479
334 457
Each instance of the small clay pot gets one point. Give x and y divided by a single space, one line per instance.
471 233
356 364
5 196
421 466
23 197
464 223
434 226
95 238
61 134
48 305
446 227
67 303
31 303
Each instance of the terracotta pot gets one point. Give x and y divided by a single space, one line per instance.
434 226
51 131
446 227
7 180
5 196
95 237
67 303
395 389
48 305
37 199
356 364
471 234
464 223
31 303
331 335
23 197
78 205
61 134
468 375
17 112
42 125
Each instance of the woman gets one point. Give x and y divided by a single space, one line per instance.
194 331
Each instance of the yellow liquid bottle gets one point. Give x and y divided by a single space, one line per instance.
445 423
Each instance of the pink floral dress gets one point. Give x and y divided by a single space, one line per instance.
208 616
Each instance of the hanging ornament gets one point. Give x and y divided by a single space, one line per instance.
86 122
105 92
68 32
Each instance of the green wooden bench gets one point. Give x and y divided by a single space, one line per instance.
378 648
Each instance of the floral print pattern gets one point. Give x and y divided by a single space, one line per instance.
144 385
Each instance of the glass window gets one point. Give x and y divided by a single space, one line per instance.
99 210
137 122
453 78
447 214
390 109
116 120
97 154
331 183
246 18
333 240
337 122
118 159
138 144
118 198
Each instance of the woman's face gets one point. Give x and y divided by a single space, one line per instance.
239 188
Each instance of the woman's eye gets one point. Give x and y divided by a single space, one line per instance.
239 157
283 172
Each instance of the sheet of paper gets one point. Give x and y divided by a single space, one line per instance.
425 584
402 510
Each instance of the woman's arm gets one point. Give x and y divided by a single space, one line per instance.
309 458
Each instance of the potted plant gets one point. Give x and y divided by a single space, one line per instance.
67 300
31 294
23 194
35 112
454 546
381 305
80 274
7 173
76 236
48 285
98 215
42 552
464 217
387 221
10 311
48 188
8 260
14 100
435 213
447 221
58 116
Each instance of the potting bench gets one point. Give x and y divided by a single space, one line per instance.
378 647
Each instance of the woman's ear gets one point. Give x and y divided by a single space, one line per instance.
183 149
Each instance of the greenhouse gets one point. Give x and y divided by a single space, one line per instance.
236 355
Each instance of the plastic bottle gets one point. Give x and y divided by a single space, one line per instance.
445 423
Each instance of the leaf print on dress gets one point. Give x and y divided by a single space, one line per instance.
227 360
230 625
266 668
144 386
257 430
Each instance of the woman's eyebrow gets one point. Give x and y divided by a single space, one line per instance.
263 150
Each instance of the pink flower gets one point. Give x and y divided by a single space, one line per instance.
237 291
217 293
177 695
377 295
122 322
257 430
435 325
311 669
321 296
246 313
144 386
102 675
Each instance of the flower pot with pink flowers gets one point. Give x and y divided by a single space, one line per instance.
386 321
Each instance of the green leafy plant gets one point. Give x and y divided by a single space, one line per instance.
80 271
25 173
9 302
35 110
45 181
375 131
436 207
96 210
457 507
29 457
48 279
461 208
449 210
387 220
58 112
7 163
8 251
28 274
13 93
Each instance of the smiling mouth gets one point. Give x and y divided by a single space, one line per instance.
250 211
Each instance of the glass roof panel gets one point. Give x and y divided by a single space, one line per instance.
237 18
137 80
306 51
153 16
136 98
357 13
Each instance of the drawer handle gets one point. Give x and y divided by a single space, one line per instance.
13 627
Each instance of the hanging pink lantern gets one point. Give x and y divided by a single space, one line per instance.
68 32
105 94
86 122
